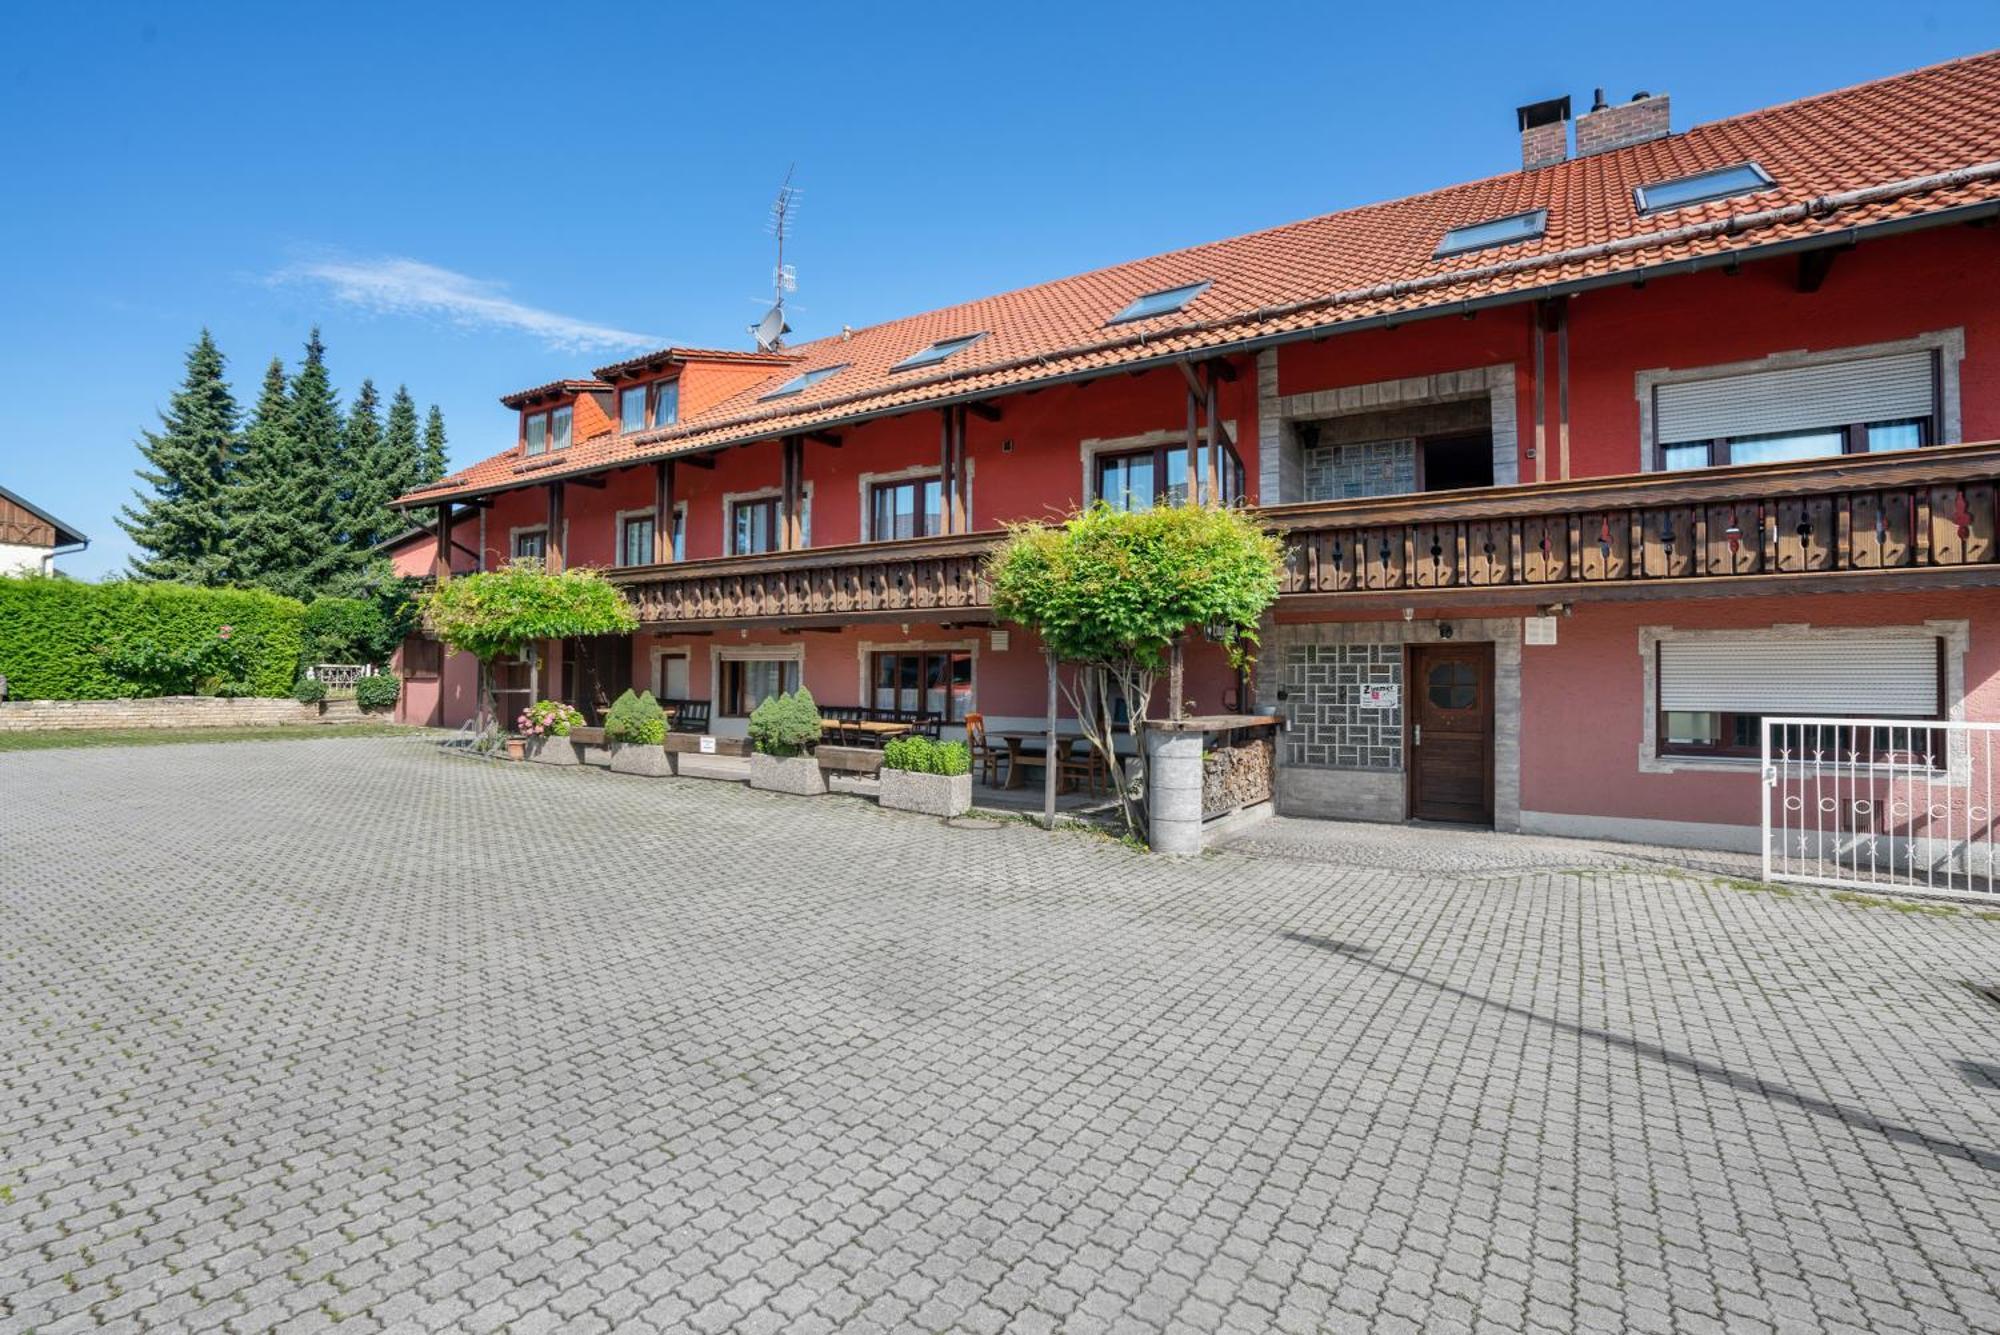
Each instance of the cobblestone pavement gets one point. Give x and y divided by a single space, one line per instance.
326 1031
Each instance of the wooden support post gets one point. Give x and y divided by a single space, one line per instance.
961 517
663 512
1051 759
441 562
1562 386
552 545
1541 412
1213 494
944 469
1193 448
1176 683
791 495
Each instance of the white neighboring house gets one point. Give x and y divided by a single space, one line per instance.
31 538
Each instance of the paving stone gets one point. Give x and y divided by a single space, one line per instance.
356 1027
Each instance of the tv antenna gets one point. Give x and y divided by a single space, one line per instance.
771 330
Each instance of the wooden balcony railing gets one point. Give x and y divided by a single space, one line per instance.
1916 519
932 578
1822 522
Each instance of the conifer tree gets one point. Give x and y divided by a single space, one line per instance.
402 449
434 464
367 476
314 425
263 499
181 527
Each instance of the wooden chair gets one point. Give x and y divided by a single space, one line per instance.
1081 766
988 760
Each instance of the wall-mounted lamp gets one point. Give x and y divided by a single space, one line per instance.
1444 630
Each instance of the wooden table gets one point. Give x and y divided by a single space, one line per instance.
1018 754
866 727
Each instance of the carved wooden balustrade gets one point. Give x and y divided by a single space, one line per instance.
1922 518
931 578
1915 519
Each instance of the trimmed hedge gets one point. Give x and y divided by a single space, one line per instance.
60 638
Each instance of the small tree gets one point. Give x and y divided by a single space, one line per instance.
1111 591
503 611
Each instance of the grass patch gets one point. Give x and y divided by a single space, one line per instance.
61 739
1757 887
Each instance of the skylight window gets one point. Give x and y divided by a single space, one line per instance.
936 352
1493 232
802 382
1160 303
1700 188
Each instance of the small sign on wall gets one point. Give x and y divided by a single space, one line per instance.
1538 630
1380 697
708 746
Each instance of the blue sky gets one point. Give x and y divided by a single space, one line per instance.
476 199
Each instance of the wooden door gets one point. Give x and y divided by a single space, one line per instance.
1448 714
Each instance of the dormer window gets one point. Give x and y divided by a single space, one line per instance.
549 430
538 433
1494 232
802 382
1164 302
666 402
632 409
937 352
1742 179
559 422
662 397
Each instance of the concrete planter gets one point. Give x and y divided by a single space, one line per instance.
799 775
1173 791
648 759
552 751
926 794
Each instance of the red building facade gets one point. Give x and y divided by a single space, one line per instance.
1581 469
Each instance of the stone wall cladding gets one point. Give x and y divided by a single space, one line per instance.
1326 726
170 711
1377 468
1280 470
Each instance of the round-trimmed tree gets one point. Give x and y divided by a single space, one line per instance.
500 612
1110 592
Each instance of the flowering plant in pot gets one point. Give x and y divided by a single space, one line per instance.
544 731
934 778
784 729
634 730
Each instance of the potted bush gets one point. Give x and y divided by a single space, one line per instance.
934 778
378 692
784 730
633 732
544 731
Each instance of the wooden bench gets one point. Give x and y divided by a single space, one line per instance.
850 759
690 744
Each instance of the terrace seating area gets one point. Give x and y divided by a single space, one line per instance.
859 725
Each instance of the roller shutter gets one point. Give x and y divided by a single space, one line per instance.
1800 398
1893 676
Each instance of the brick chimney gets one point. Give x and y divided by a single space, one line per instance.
1604 128
1544 132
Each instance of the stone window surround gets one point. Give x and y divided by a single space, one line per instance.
660 652
1957 637
1089 448
642 512
1277 448
1949 344
515 534
915 472
729 499
866 650
1504 633
718 654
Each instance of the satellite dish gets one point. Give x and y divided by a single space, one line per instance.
771 330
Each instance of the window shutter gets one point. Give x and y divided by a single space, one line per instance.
1799 398
1895 676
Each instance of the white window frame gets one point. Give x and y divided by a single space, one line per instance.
645 393
718 654
730 498
1956 635
1947 344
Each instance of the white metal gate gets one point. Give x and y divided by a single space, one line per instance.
1881 804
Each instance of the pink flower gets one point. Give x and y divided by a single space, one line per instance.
225 632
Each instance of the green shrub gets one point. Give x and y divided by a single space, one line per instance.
309 690
548 718
379 691
344 630
786 725
62 639
921 755
636 718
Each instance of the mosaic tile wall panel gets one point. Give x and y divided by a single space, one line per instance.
1377 468
1325 724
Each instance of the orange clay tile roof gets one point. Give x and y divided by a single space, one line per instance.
554 387
784 357
1903 148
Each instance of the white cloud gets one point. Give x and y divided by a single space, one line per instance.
411 287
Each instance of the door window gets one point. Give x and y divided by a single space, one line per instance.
1452 686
